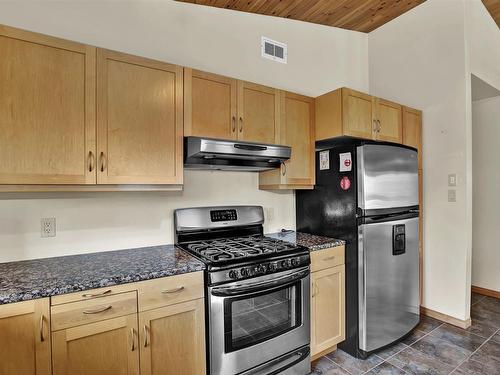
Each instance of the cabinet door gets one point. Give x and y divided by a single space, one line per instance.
358 116
412 130
47 110
209 105
139 120
297 131
25 338
328 308
258 113
173 339
390 121
107 347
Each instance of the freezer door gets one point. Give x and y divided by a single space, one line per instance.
388 279
387 177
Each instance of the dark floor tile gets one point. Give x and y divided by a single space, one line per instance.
475 298
323 366
482 327
415 362
476 368
459 337
487 310
428 324
442 350
491 303
390 351
354 365
413 337
386 369
496 337
488 354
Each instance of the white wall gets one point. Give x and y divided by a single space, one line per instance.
486 200
320 59
420 59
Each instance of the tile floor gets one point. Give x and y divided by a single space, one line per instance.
433 348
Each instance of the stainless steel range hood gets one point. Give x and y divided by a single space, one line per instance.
208 153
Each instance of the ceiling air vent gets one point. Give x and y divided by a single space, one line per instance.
273 50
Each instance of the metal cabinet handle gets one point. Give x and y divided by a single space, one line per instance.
315 290
102 160
91 161
241 124
379 126
132 333
170 291
97 311
329 258
283 170
233 123
42 321
146 336
375 125
89 295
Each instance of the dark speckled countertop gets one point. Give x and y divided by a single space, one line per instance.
31 279
311 241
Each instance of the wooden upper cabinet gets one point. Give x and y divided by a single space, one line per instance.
358 114
412 130
107 347
139 120
258 113
209 105
25 338
327 308
389 118
47 110
173 339
297 131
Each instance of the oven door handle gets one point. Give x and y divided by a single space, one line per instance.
239 289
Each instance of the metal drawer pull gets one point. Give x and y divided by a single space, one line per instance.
329 258
132 333
91 161
233 120
42 321
97 311
146 336
170 291
88 295
241 124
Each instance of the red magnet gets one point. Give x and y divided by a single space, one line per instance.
345 183
347 162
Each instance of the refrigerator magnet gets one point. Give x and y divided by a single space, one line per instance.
345 162
324 160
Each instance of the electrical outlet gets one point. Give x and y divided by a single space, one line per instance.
452 195
48 227
452 179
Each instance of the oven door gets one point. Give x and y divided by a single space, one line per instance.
255 321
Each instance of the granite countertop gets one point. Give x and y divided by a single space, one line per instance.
31 279
311 241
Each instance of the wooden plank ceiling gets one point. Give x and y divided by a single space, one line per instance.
493 7
358 15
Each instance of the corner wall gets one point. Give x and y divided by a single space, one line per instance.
420 59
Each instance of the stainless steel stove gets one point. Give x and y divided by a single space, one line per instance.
257 291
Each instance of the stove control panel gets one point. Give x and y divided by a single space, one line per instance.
223 215
259 268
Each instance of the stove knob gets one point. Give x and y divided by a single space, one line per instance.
295 262
244 272
261 269
272 267
233 274
286 263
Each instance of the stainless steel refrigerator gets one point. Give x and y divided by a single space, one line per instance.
367 194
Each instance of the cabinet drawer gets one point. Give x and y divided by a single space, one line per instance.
93 293
327 258
170 290
93 310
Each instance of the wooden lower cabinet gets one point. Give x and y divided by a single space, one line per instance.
173 339
102 348
327 309
25 338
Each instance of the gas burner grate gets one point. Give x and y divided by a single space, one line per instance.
227 249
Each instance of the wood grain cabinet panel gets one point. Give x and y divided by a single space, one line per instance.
296 131
173 339
412 130
47 110
25 338
139 120
389 118
102 348
258 113
209 105
358 114
327 309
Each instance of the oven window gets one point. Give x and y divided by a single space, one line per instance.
261 316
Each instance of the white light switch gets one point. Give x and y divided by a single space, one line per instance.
452 179
452 195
